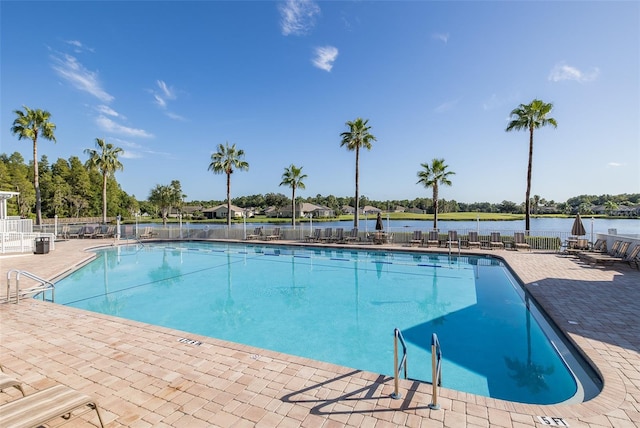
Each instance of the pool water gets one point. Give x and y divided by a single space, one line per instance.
339 306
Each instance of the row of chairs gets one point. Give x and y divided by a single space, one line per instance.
87 232
434 239
258 233
329 236
43 406
620 251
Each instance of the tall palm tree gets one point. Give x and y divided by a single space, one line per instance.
529 117
105 161
223 162
293 177
356 137
432 176
30 124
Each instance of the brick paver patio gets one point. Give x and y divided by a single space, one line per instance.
143 376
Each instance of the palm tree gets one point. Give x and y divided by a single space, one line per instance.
30 124
529 117
223 162
162 197
293 177
432 176
356 137
105 161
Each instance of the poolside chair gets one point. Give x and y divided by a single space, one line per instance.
452 239
64 233
275 234
147 233
338 237
41 407
519 241
622 254
78 233
109 233
257 233
7 381
433 239
352 236
328 232
91 231
473 241
315 236
496 241
416 239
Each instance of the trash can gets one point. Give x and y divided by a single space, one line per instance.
42 245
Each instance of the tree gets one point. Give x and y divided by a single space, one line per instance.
161 197
293 177
223 162
432 176
356 137
29 125
105 161
529 117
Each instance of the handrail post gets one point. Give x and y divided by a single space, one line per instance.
436 357
397 336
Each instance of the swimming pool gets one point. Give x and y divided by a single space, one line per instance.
341 306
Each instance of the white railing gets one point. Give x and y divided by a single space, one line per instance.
16 225
15 242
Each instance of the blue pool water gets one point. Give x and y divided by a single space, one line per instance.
339 306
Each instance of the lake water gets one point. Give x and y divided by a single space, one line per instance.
622 226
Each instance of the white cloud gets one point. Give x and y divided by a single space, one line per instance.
325 57
449 105
615 164
562 71
109 125
70 69
78 47
442 36
107 110
175 116
298 16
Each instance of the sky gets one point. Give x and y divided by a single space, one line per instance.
169 81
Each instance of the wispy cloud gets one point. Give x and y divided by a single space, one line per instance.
325 57
562 71
446 106
69 68
109 125
103 109
444 37
495 101
297 17
163 93
78 47
615 164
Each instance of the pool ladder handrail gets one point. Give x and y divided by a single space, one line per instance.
397 337
43 286
436 370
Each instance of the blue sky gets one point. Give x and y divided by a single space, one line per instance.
169 81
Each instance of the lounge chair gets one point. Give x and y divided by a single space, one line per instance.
496 241
275 234
519 241
78 233
352 236
315 236
147 233
338 237
64 233
109 233
452 239
328 232
91 231
257 233
416 239
473 241
622 253
41 407
433 239
7 381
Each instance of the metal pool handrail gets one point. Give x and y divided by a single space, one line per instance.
436 370
397 337
43 286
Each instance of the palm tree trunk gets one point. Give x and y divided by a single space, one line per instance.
104 198
36 180
435 206
357 202
228 200
293 207
527 202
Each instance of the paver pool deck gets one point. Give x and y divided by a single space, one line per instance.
143 376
